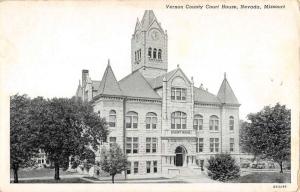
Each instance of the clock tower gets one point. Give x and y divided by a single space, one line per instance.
149 47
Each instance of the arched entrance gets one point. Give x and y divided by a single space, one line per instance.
180 156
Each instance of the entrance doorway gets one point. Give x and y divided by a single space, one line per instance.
180 156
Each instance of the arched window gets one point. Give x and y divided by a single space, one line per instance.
131 120
154 53
112 118
151 120
135 56
140 54
178 120
231 123
213 123
159 54
149 52
198 122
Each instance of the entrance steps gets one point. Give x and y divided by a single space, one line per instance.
185 172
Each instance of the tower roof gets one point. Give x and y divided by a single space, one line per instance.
148 18
226 94
109 84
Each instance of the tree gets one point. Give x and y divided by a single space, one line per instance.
22 135
222 167
68 127
268 135
113 161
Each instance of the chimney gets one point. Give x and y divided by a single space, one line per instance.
85 74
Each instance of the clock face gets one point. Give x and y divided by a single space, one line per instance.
155 35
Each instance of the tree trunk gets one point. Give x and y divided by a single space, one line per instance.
56 168
16 178
113 178
280 163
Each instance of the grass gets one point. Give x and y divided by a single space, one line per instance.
64 180
265 177
43 172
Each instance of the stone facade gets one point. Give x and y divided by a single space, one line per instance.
159 118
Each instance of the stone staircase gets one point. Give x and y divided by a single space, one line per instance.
185 172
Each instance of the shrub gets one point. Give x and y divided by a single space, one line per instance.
222 167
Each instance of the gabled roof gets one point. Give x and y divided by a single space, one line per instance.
109 84
201 95
226 94
135 85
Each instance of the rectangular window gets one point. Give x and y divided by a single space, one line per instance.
148 166
183 94
231 144
214 144
128 144
112 140
217 144
148 145
200 142
135 167
173 93
154 144
154 166
151 145
178 93
128 171
135 145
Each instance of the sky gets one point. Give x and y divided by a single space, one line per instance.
45 45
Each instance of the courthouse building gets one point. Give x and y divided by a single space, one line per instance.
159 118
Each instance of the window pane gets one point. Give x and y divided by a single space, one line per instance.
148 145
128 122
210 124
155 166
128 139
148 166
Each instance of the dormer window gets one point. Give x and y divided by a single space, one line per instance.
178 94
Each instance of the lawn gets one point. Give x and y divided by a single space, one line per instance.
265 177
42 172
64 180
